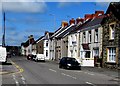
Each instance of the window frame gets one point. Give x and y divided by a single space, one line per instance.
113 54
112 30
96 35
89 36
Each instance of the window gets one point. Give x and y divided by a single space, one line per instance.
96 35
87 54
111 30
111 54
83 37
89 35
96 52
46 43
46 53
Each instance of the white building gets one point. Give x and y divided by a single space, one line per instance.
47 45
91 40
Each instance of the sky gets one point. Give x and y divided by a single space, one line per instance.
25 18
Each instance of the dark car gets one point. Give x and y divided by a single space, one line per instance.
8 55
30 56
69 63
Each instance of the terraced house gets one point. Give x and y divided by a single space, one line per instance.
111 36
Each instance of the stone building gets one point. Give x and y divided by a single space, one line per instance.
111 36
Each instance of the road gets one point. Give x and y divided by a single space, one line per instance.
21 71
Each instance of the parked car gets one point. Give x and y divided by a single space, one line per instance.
30 56
39 57
8 55
69 63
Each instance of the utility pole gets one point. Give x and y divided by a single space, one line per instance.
3 39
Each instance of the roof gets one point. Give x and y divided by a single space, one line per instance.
58 31
115 8
39 39
65 33
26 44
94 23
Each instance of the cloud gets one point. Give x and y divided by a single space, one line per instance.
66 4
102 4
25 6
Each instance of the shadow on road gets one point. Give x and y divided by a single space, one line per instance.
7 63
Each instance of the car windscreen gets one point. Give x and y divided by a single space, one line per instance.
71 60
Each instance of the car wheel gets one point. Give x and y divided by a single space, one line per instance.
36 60
60 66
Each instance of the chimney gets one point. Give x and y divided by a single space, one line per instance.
64 24
72 21
98 13
79 20
31 39
88 16
46 32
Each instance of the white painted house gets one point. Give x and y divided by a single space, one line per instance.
47 45
91 40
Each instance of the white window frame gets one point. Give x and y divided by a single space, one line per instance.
96 35
89 37
111 52
46 43
84 37
111 31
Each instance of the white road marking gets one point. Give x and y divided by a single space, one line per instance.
88 83
23 79
16 82
52 70
91 74
68 75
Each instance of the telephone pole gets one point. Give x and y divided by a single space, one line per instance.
3 39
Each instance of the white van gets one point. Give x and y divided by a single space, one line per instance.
39 57
3 54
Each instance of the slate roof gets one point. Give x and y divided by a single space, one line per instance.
90 24
26 44
65 33
38 39
58 31
115 8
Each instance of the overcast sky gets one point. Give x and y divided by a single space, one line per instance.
25 18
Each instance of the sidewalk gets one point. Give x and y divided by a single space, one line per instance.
8 68
110 72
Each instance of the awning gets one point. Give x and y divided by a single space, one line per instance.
85 46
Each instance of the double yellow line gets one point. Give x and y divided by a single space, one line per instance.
20 70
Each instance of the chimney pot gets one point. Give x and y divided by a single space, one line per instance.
98 13
72 21
79 20
64 24
88 16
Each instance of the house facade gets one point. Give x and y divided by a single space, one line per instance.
26 48
111 36
55 42
47 45
74 40
40 45
91 40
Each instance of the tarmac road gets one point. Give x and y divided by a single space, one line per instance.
23 71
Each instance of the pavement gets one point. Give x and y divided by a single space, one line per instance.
109 72
9 68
